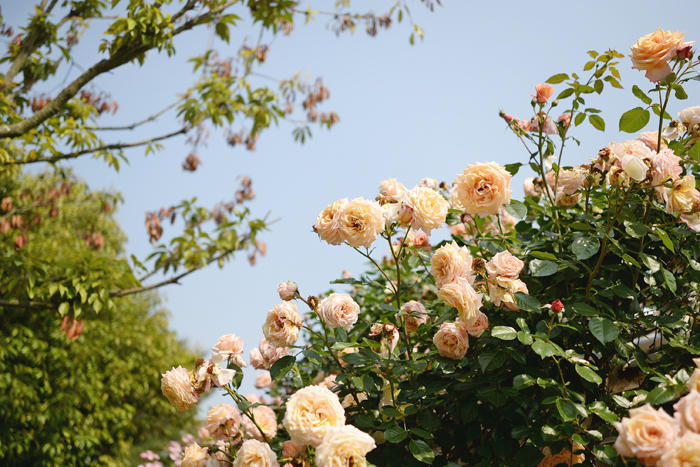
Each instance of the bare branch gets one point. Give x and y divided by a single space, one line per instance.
134 125
32 305
106 147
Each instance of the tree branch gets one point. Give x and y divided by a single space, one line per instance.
31 305
106 147
134 125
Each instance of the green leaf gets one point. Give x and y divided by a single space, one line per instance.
650 262
526 302
421 451
542 268
543 255
428 420
668 79
513 168
694 151
523 381
395 434
603 329
565 93
567 409
505 333
588 374
640 94
597 122
63 308
635 230
665 239
469 412
491 358
422 433
281 367
584 309
607 454
585 247
558 78
660 396
544 349
579 118
313 357
634 120
669 279
516 209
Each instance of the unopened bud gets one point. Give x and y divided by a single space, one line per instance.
685 51
287 290
508 118
557 306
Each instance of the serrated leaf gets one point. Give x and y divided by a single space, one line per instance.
543 268
421 451
634 120
523 381
505 333
567 410
584 309
635 230
516 209
603 329
491 358
543 255
660 396
281 367
395 434
694 151
640 94
665 239
588 374
428 420
597 122
558 78
669 279
526 302
585 247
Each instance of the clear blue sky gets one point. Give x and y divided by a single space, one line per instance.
406 112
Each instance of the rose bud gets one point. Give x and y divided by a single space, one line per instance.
287 290
685 51
557 306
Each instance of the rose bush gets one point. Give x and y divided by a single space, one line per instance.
563 337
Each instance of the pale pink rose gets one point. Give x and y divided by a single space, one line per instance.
253 453
195 456
458 230
502 290
423 209
221 453
461 295
344 446
665 166
647 434
346 275
477 328
549 128
282 325
529 187
564 457
544 92
290 449
650 139
692 221
421 240
254 398
483 188
361 222
392 189
450 262
690 117
508 117
417 315
681 197
263 356
328 223
685 452
652 53
565 120
176 386
570 180
688 412
265 418
452 341
229 345
263 380
203 433
523 124
223 422
328 381
287 290
339 310
429 183
311 413
504 264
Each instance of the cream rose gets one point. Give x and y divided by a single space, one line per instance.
228 345
290 449
253 453
311 413
682 196
287 290
328 223
450 262
176 386
688 412
344 446
652 53
361 222
461 295
685 452
429 182
502 290
424 209
570 180
265 418
282 325
263 356
417 315
483 188
564 457
690 117
504 264
339 310
665 166
452 341
195 456
647 434
222 422
478 327
634 166
263 380
650 139
392 189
